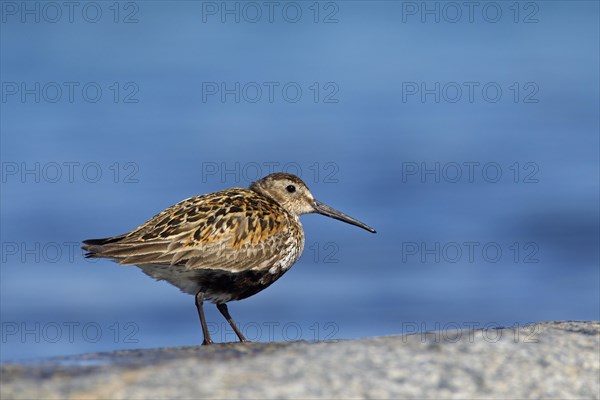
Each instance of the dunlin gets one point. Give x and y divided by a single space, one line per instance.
223 246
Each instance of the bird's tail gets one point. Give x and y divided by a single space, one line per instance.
97 248
128 251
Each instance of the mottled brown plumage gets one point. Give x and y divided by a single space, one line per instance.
222 246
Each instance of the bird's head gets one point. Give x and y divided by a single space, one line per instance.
292 194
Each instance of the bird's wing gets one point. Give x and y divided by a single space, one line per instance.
233 229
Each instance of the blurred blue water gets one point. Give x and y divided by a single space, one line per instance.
357 154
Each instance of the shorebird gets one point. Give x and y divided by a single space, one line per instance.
223 246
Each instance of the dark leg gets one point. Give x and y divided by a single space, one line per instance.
205 333
223 308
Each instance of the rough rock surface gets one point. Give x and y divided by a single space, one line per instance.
545 360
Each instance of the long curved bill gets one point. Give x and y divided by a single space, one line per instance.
324 209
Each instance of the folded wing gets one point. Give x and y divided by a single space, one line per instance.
233 229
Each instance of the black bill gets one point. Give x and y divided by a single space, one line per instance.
324 209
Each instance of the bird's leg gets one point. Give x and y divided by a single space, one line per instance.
223 308
205 333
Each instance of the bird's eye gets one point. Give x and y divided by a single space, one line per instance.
291 188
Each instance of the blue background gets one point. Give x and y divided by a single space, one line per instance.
348 283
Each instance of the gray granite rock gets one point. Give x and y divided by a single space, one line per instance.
545 360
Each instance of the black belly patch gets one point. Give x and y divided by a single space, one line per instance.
239 285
